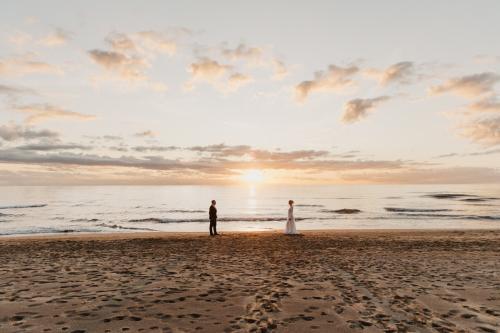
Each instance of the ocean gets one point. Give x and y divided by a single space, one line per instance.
63 209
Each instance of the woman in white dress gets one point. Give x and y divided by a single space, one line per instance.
290 222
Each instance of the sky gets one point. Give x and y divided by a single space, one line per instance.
228 92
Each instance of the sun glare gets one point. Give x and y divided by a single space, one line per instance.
252 176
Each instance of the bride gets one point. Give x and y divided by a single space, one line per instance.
290 222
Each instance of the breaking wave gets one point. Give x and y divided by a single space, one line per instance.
477 199
341 211
453 216
223 219
120 227
414 210
23 206
449 195
47 231
84 220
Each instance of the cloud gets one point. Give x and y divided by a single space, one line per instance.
15 132
454 175
294 160
335 78
243 52
220 158
46 175
487 152
19 38
66 158
52 147
225 151
485 131
132 54
255 56
222 148
120 42
478 153
486 105
143 149
220 76
209 169
287 156
237 80
126 67
487 59
147 133
112 137
11 90
447 155
146 43
222 161
469 86
280 69
58 37
358 108
400 72
121 148
208 69
26 65
41 112
157 42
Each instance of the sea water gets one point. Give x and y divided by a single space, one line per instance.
58 209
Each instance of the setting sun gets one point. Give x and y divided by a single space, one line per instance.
252 176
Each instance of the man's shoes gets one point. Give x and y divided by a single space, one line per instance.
216 234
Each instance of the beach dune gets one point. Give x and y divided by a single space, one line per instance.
331 281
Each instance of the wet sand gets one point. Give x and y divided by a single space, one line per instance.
329 281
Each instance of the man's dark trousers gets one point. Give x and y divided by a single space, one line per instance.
213 226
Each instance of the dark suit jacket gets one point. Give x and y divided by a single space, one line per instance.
212 212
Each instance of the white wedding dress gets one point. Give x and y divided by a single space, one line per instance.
290 223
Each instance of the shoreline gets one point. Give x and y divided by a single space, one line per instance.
167 234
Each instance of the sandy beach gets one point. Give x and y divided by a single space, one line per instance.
331 281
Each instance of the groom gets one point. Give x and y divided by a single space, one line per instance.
212 213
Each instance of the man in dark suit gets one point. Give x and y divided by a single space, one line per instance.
212 214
